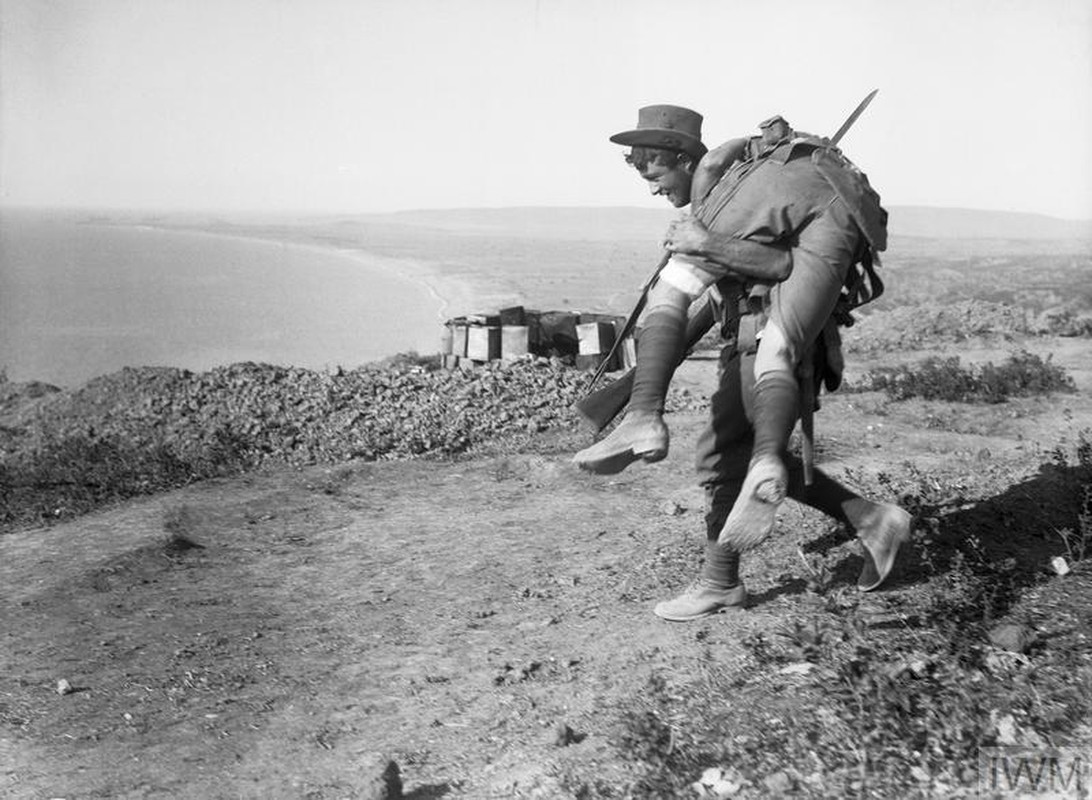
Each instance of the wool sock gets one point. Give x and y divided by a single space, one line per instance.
721 566
775 413
659 350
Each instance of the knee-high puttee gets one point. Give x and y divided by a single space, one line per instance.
659 349
775 413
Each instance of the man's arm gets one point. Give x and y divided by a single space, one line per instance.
740 257
713 165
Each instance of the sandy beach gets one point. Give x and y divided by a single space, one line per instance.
452 294
574 259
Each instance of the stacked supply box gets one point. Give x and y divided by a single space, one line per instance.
515 333
596 338
582 339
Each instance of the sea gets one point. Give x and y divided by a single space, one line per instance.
79 299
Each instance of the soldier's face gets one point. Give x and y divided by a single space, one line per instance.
672 183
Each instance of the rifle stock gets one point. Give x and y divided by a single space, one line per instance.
600 407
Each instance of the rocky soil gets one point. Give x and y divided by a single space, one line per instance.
341 570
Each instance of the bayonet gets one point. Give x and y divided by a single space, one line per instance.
837 137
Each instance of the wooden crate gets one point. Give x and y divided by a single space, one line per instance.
515 341
556 334
458 340
595 337
516 315
483 343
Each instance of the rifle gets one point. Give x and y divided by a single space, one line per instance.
600 407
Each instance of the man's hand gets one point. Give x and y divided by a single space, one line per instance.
739 258
687 236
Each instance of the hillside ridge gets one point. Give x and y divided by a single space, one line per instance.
608 221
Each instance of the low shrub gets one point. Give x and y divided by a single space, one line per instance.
1024 374
144 430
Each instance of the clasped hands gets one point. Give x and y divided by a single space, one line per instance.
687 236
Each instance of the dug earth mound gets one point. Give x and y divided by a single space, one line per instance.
306 576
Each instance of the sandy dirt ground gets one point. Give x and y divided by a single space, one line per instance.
478 621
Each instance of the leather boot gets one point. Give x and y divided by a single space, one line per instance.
882 529
719 586
640 436
700 600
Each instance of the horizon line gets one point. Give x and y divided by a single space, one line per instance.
107 209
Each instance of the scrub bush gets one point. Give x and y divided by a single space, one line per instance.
140 431
1024 374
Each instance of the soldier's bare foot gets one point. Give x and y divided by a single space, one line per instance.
640 436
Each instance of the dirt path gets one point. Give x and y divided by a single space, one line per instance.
448 615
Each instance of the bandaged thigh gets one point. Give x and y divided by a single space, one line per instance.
687 277
774 353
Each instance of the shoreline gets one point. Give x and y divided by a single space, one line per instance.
422 297
446 291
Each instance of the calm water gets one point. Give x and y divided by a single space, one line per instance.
80 300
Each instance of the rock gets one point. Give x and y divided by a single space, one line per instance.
564 735
1012 637
718 784
711 776
920 774
671 509
779 783
382 780
1006 730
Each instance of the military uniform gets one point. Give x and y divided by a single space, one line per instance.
792 229
814 214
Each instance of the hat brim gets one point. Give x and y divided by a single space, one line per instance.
663 138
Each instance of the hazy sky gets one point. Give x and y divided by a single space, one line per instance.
377 105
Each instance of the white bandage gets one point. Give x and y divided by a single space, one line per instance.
773 351
687 277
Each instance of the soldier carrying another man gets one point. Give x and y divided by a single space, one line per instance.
778 223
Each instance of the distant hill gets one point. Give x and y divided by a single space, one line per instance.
552 222
969 223
633 223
